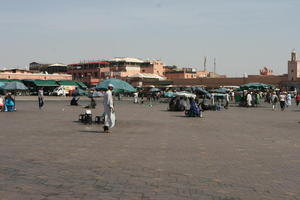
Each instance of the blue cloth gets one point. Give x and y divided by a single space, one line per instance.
9 104
194 109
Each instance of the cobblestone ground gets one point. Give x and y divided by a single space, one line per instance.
152 154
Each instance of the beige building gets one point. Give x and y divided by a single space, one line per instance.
153 67
25 74
293 67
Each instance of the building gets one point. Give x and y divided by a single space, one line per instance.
266 72
49 68
170 68
89 72
214 75
93 72
122 67
25 74
183 73
201 74
153 67
293 67
57 68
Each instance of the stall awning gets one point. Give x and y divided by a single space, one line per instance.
81 84
4 80
67 82
45 83
10 80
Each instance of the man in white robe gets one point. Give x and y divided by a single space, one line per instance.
109 112
249 99
136 97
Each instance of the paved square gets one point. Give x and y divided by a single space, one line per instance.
152 154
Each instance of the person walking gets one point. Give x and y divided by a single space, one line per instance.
289 100
226 101
109 112
41 98
297 99
232 97
274 100
136 97
282 100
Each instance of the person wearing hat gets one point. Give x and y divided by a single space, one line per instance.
109 113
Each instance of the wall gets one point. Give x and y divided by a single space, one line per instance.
35 76
180 75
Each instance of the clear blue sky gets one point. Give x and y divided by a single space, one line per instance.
243 35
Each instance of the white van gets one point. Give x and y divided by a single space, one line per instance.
63 90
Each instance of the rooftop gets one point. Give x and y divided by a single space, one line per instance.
127 59
92 62
147 75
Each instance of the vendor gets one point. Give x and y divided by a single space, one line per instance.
9 103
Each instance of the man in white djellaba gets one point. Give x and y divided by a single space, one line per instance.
249 99
109 112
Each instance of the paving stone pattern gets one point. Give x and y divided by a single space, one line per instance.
152 154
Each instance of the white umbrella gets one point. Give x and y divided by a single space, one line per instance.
185 94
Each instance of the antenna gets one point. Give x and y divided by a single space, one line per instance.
205 58
215 65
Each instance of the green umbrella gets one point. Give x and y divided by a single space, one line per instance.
14 86
2 84
79 92
256 86
119 85
219 90
201 91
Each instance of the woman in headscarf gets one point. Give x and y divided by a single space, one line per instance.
194 109
9 103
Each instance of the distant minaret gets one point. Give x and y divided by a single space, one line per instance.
205 58
215 65
294 55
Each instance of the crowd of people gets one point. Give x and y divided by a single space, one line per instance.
283 98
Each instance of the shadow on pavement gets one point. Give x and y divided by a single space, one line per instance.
85 131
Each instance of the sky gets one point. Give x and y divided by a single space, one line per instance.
243 35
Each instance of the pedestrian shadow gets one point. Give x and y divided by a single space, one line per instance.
295 110
181 116
171 111
86 131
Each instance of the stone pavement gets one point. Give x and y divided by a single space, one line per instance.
152 154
